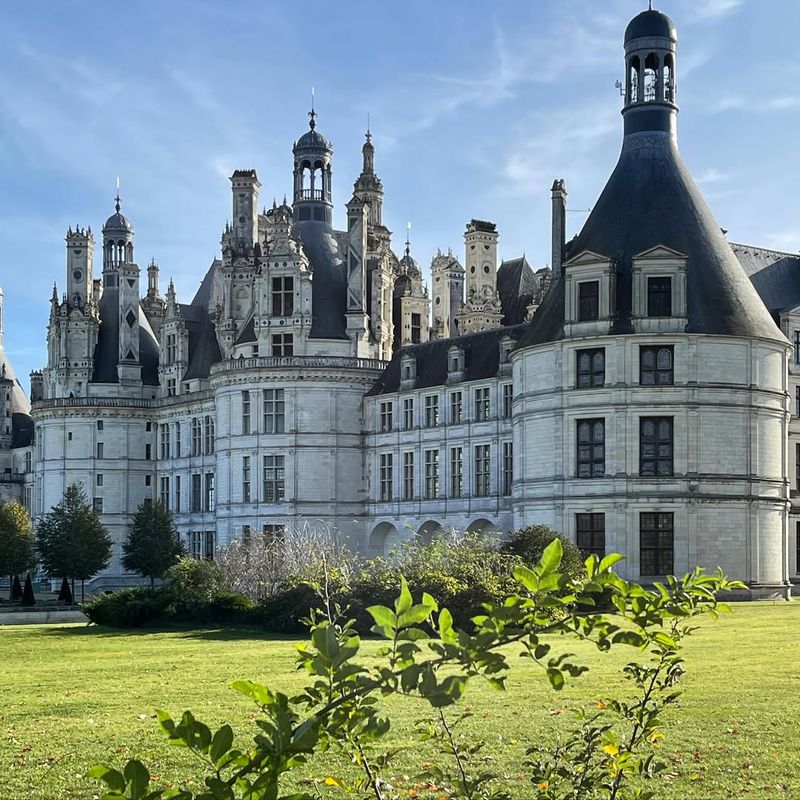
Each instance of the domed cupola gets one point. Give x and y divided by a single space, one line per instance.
651 204
313 155
117 238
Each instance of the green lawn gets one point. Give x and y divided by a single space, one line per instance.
71 696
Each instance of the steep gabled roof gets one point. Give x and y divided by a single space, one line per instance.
775 275
516 285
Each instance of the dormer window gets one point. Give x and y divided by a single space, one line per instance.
506 344
408 372
659 296
455 364
588 301
659 302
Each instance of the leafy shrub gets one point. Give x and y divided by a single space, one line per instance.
129 608
227 608
193 582
529 543
285 611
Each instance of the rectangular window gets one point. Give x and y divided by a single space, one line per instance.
591 448
508 399
100 479
100 424
172 348
148 451
797 347
148 426
28 461
455 408
416 328
797 401
196 493
508 468
245 479
655 447
97 504
797 467
197 545
274 411
177 440
659 297
273 531
209 435
210 546
482 404
177 494
456 472
591 534
148 480
164 494
408 413
100 450
482 470
165 441
431 474
386 477
210 504
655 366
588 301
431 410
386 416
196 436
274 479
282 297
656 537
282 345
590 368
171 387
408 476
245 411
797 546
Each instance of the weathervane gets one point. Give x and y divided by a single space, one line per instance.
312 113
118 202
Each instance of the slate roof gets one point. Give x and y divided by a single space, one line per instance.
774 274
21 430
650 200
516 285
481 359
21 422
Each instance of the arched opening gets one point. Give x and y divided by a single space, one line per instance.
429 531
482 527
633 80
318 181
669 78
650 78
383 540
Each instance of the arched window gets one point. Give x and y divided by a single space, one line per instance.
650 78
669 79
633 80
664 359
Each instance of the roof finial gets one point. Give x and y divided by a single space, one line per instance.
313 114
408 238
369 135
651 5
117 202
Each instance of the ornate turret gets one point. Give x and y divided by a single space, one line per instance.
117 242
312 175
368 188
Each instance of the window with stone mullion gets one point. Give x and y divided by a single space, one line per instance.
656 366
591 534
591 448
591 368
656 447
656 543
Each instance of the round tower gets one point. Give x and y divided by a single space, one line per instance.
313 155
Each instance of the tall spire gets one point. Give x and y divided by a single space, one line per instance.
117 201
408 239
312 114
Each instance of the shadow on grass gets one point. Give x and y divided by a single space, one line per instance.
211 633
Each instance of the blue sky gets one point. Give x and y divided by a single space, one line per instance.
475 107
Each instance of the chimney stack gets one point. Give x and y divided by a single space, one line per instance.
559 228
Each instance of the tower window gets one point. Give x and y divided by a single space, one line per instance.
591 368
386 416
416 328
431 474
633 80
669 79
591 450
588 301
482 470
591 534
655 448
656 539
282 297
386 477
656 366
408 475
282 345
659 297
650 78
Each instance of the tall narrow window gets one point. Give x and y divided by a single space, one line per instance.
659 297
172 348
196 544
274 411
508 468
482 404
797 347
282 297
209 431
197 500
797 546
508 399
165 441
591 449
408 413
408 475
177 440
246 479
431 410
386 477
245 411
177 494
590 368
655 446
591 534
588 301
210 545
797 467
210 504
100 450
456 472
386 416
171 387
656 542
274 478
148 451
431 474
455 408
282 345
416 328
97 504
482 470
656 366
650 77
196 436
164 495
797 401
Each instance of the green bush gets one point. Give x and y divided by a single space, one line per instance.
193 582
285 611
529 543
227 608
129 608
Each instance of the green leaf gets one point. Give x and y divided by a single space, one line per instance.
255 691
527 577
383 616
111 777
551 558
414 615
404 599
137 778
221 743
609 561
556 678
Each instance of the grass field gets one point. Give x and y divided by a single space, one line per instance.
71 696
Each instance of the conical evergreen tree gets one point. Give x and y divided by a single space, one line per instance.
65 595
27 593
16 589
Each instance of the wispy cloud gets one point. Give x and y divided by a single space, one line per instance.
753 104
713 9
712 175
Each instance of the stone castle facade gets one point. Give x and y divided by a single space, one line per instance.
635 395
